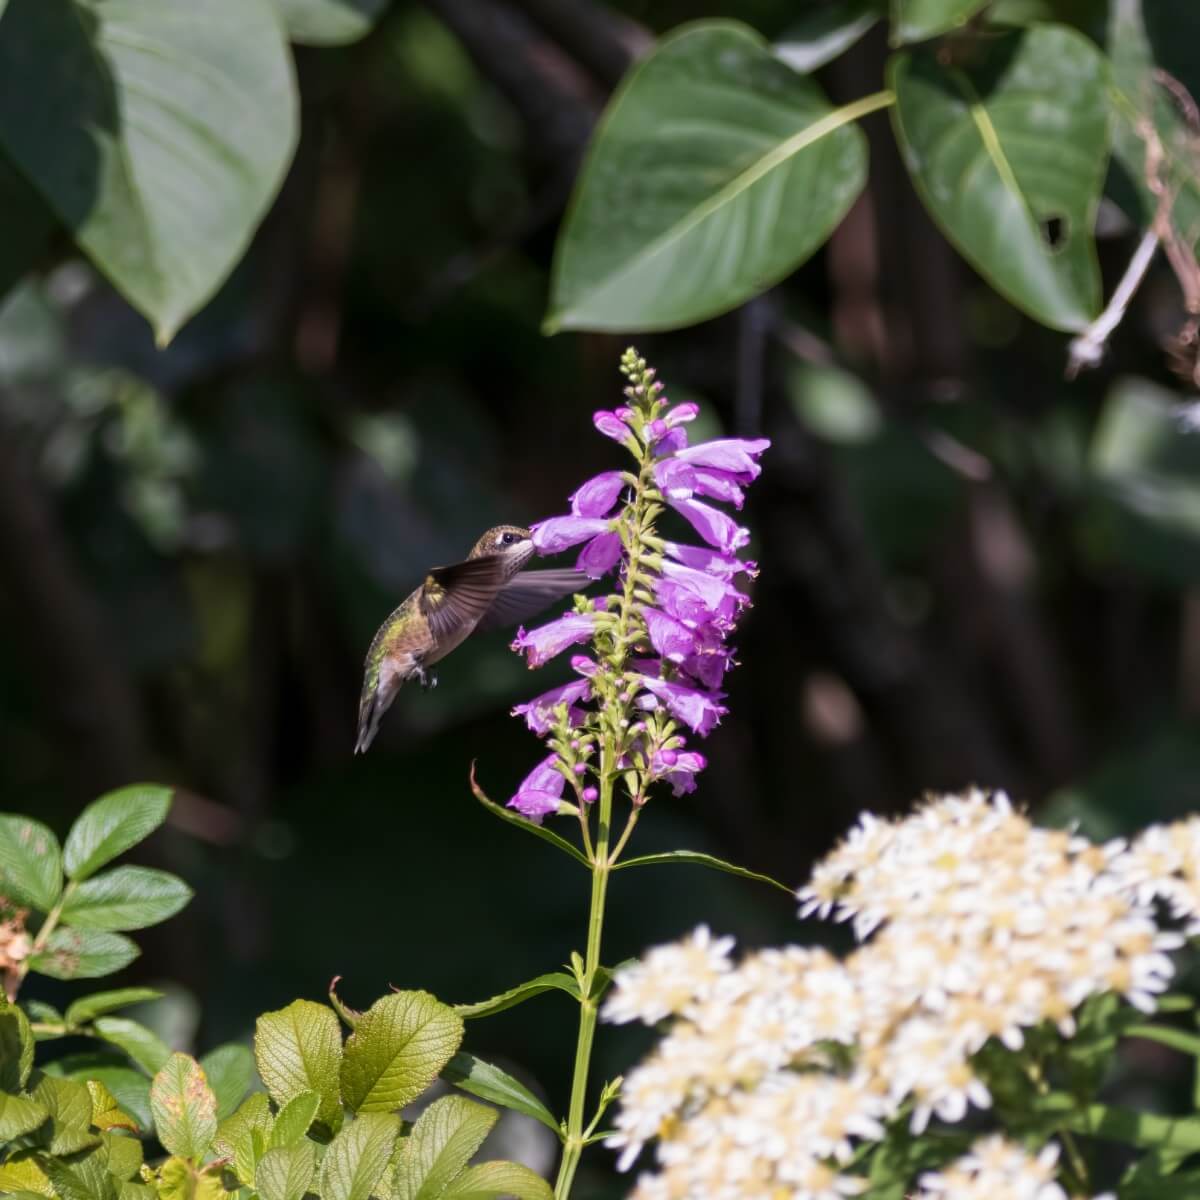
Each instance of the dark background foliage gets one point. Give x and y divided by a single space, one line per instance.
973 571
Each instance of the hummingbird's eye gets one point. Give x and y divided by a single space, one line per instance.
508 539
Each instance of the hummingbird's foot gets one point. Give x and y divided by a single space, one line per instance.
428 679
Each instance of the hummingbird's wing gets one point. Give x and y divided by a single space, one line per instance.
454 598
527 593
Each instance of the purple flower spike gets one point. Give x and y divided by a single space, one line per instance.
611 426
736 455
600 555
539 712
559 533
540 792
717 529
700 711
678 479
542 644
597 497
678 769
669 637
704 559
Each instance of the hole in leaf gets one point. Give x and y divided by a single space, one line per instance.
1054 232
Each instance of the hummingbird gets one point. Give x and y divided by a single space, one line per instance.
487 590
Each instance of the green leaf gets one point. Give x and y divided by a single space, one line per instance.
523 991
82 1177
69 1104
96 1005
1177 1039
107 1113
823 31
396 1051
916 20
16 1046
248 1154
481 1079
230 1073
129 1088
293 1119
299 1049
181 1180
1109 1122
702 860
126 898
539 831
714 172
83 954
30 863
21 1175
125 1157
330 22
114 823
253 1116
286 1172
358 1156
492 1179
1016 142
441 1144
184 1107
144 1046
19 1115
157 130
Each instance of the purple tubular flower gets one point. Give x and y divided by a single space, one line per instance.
714 591
582 665
669 637
677 479
597 497
734 455
703 559
542 644
678 768
717 529
558 533
539 712
671 442
600 555
611 425
540 792
700 711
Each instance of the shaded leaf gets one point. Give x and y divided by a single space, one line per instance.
112 824
294 1119
481 1079
396 1051
330 22
230 1073
144 1046
557 980
440 1145
83 954
915 20
299 1049
30 863
286 1172
184 1107
695 858
824 31
21 1174
16 1046
492 1179
714 172
1009 157
83 1177
126 898
69 1105
19 1115
356 1158
99 1003
125 1157
129 1088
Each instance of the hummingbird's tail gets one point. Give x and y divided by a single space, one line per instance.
375 701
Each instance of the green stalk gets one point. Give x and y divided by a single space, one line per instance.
43 936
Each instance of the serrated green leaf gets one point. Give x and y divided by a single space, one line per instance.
125 1157
82 1177
107 1112
294 1119
129 1088
230 1073
252 1145
136 1191
88 1008
396 1051
21 1174
557 980
299 1049
492 1179
714 172
182 1180
83 954
254 1114
19 1115
440 1145
30 863
113 824
69 1105
16 1046
916 20
126 898
823 31
180 127
286 1172
481 1079
144 1046
1017 141
357 1157
184 1107
330 22
39 1010
695 858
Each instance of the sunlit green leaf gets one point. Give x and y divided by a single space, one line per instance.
493 1179
441 1144
83 954
69 1104
126 898
19 1115
293 1119
299 1049
358 1156
557 980
286 1172
184 1107
111 825
695 858
230 1073
481 1079
30 863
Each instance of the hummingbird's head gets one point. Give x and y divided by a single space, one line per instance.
510 542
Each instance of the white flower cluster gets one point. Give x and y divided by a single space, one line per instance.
980 926
997 1167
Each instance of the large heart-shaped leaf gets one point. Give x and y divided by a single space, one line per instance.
915 20
330 22
1009 154
158 131
715 171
